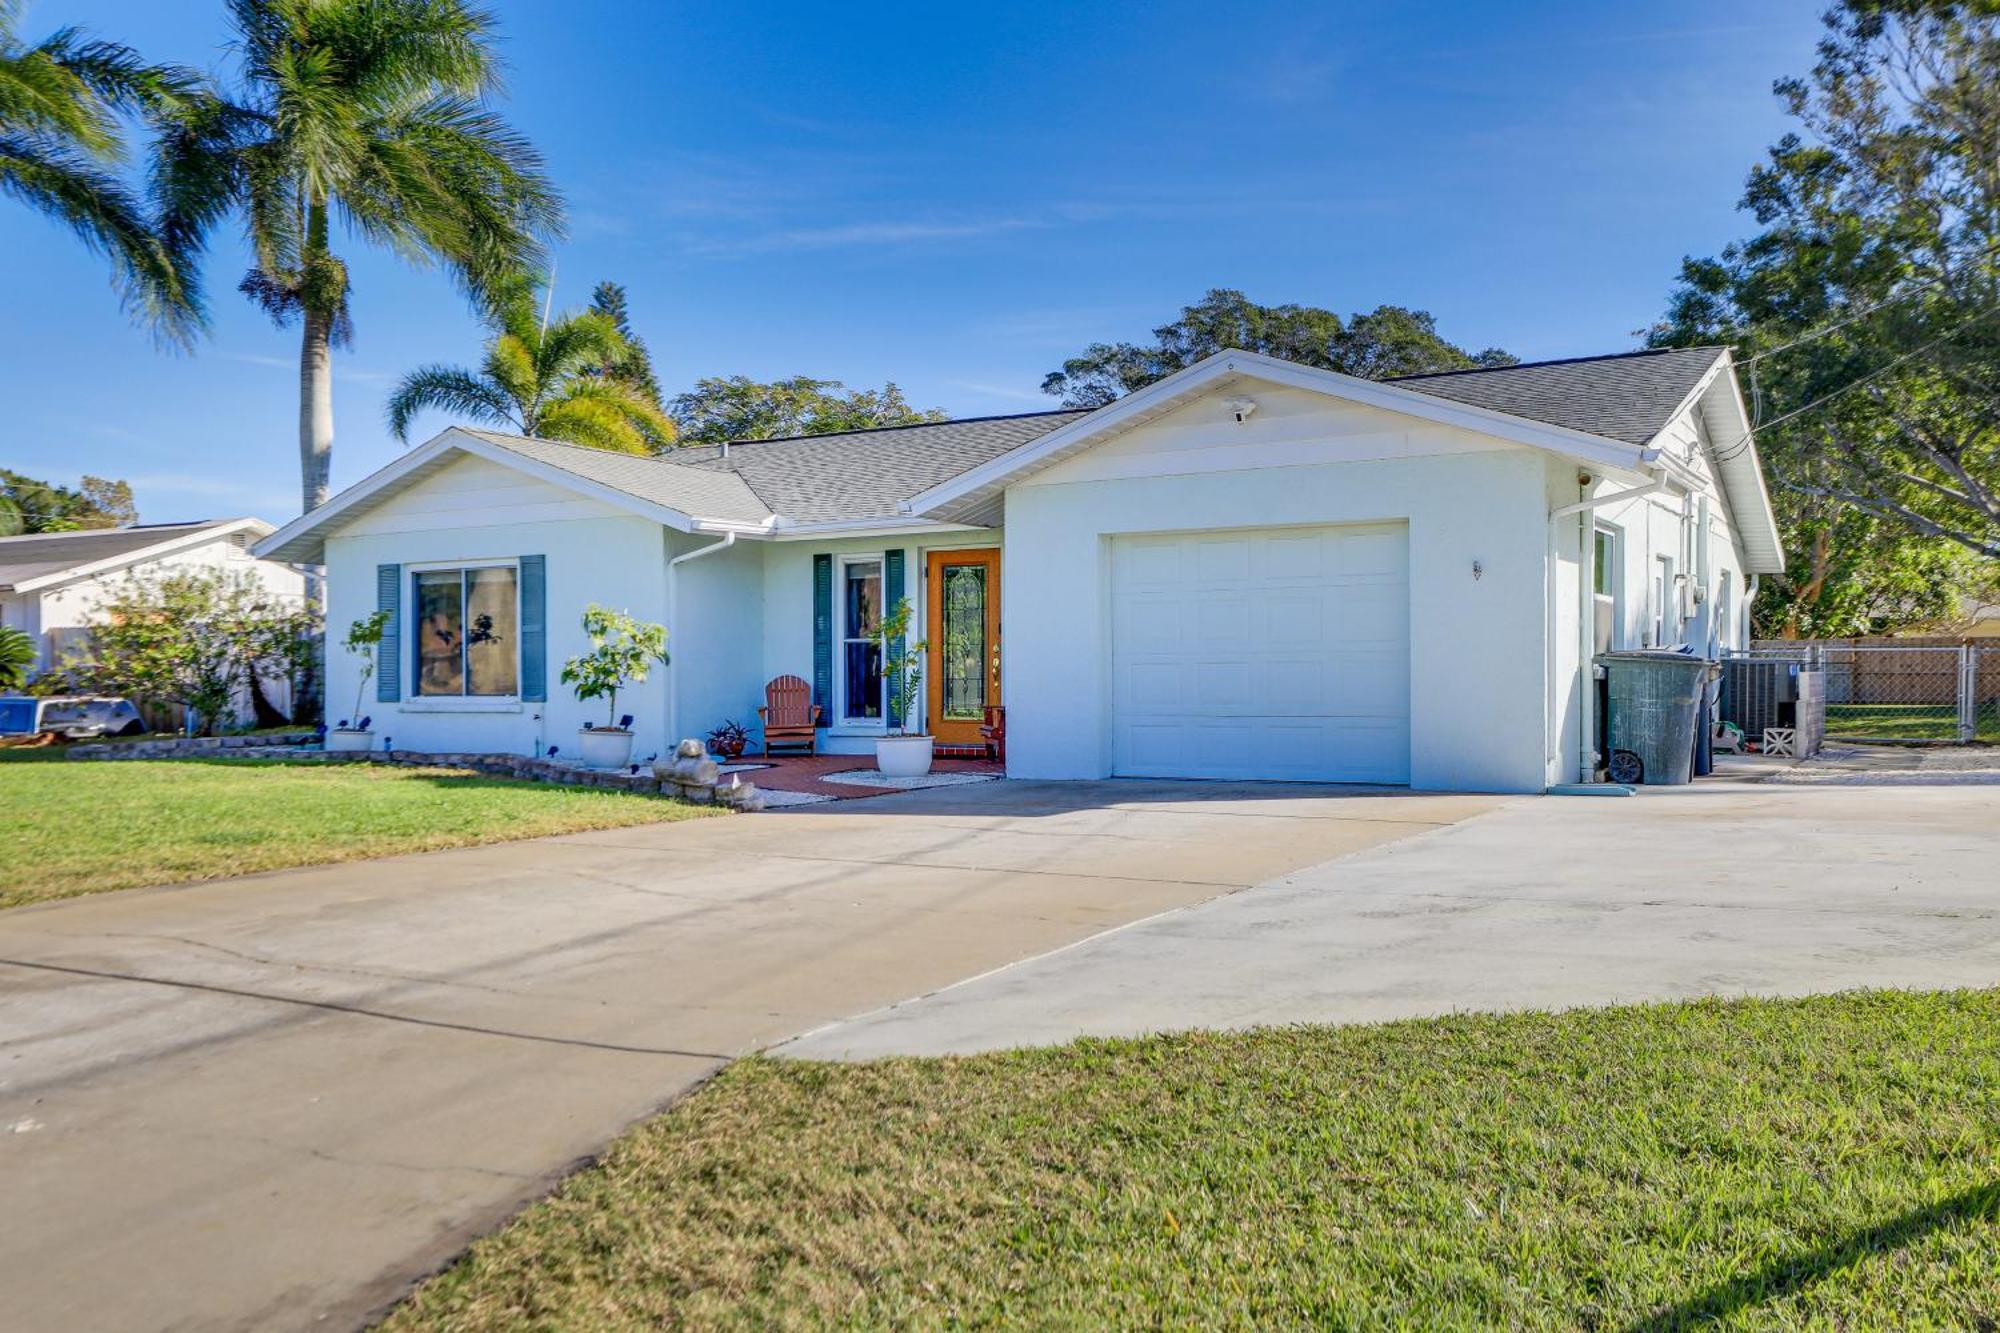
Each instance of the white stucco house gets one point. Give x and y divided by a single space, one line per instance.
1251 569
52 584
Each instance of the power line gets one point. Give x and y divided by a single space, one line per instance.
1740 446
1860 314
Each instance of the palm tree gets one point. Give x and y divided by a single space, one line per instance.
60 148
17 655
371 111
558 378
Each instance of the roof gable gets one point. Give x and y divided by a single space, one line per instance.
686 499
975 490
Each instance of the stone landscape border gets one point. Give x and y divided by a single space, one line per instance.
689 776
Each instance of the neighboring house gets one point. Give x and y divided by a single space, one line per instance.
1250 569
52 583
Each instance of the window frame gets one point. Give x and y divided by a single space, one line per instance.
1664 595
413 649
841 720
1614 567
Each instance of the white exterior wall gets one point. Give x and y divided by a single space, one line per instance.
72 607
715 639
788 610
1667 523
472 511
1477 644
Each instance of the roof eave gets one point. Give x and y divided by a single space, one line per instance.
113 563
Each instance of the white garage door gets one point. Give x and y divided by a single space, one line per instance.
1278 653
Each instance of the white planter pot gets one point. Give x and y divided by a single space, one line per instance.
604 747
903 756
346 740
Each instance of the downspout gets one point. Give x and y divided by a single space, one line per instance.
1586 700
673 628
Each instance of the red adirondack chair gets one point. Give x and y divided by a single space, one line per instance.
790 716
994 729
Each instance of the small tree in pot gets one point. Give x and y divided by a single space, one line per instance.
622 651
364 640
903 752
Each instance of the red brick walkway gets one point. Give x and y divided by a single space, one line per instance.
805 773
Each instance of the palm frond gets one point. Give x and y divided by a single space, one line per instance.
614 415
510 364
448 389
72 188
590 420
576 344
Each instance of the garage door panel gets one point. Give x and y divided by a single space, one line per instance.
1222 620
1142 562
1270 653
1221 560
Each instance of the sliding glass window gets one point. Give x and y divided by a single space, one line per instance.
466 627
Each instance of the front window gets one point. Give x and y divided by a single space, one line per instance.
861 655
466 630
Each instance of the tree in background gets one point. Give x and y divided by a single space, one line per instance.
370 110
1385 342
27 505
1867 314
60 148
574 377
740 408
634 368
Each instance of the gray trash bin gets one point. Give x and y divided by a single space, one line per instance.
1654 706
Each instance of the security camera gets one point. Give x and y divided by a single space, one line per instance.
1241 408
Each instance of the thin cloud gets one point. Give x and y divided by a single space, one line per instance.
1012 393
287 363
866 234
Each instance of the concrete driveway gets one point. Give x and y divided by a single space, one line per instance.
274 1102
1719 888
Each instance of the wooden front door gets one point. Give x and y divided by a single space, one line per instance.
962 590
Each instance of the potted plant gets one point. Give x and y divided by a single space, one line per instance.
364 640
902 753
622 651
729 741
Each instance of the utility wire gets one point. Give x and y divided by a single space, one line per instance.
1837 326
1741 445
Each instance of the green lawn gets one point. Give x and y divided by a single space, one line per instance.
76 826
1908 722
1831 1163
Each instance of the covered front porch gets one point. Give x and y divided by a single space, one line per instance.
814 610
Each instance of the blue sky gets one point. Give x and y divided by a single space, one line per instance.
957 197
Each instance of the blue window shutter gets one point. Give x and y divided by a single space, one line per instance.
823 634
389 653
892 593
534 628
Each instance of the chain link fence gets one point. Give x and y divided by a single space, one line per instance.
1899 690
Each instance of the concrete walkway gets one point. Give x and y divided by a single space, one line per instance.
275 1102
1720 888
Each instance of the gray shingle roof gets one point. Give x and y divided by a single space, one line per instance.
1625 397
39 554
701 492
866 473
